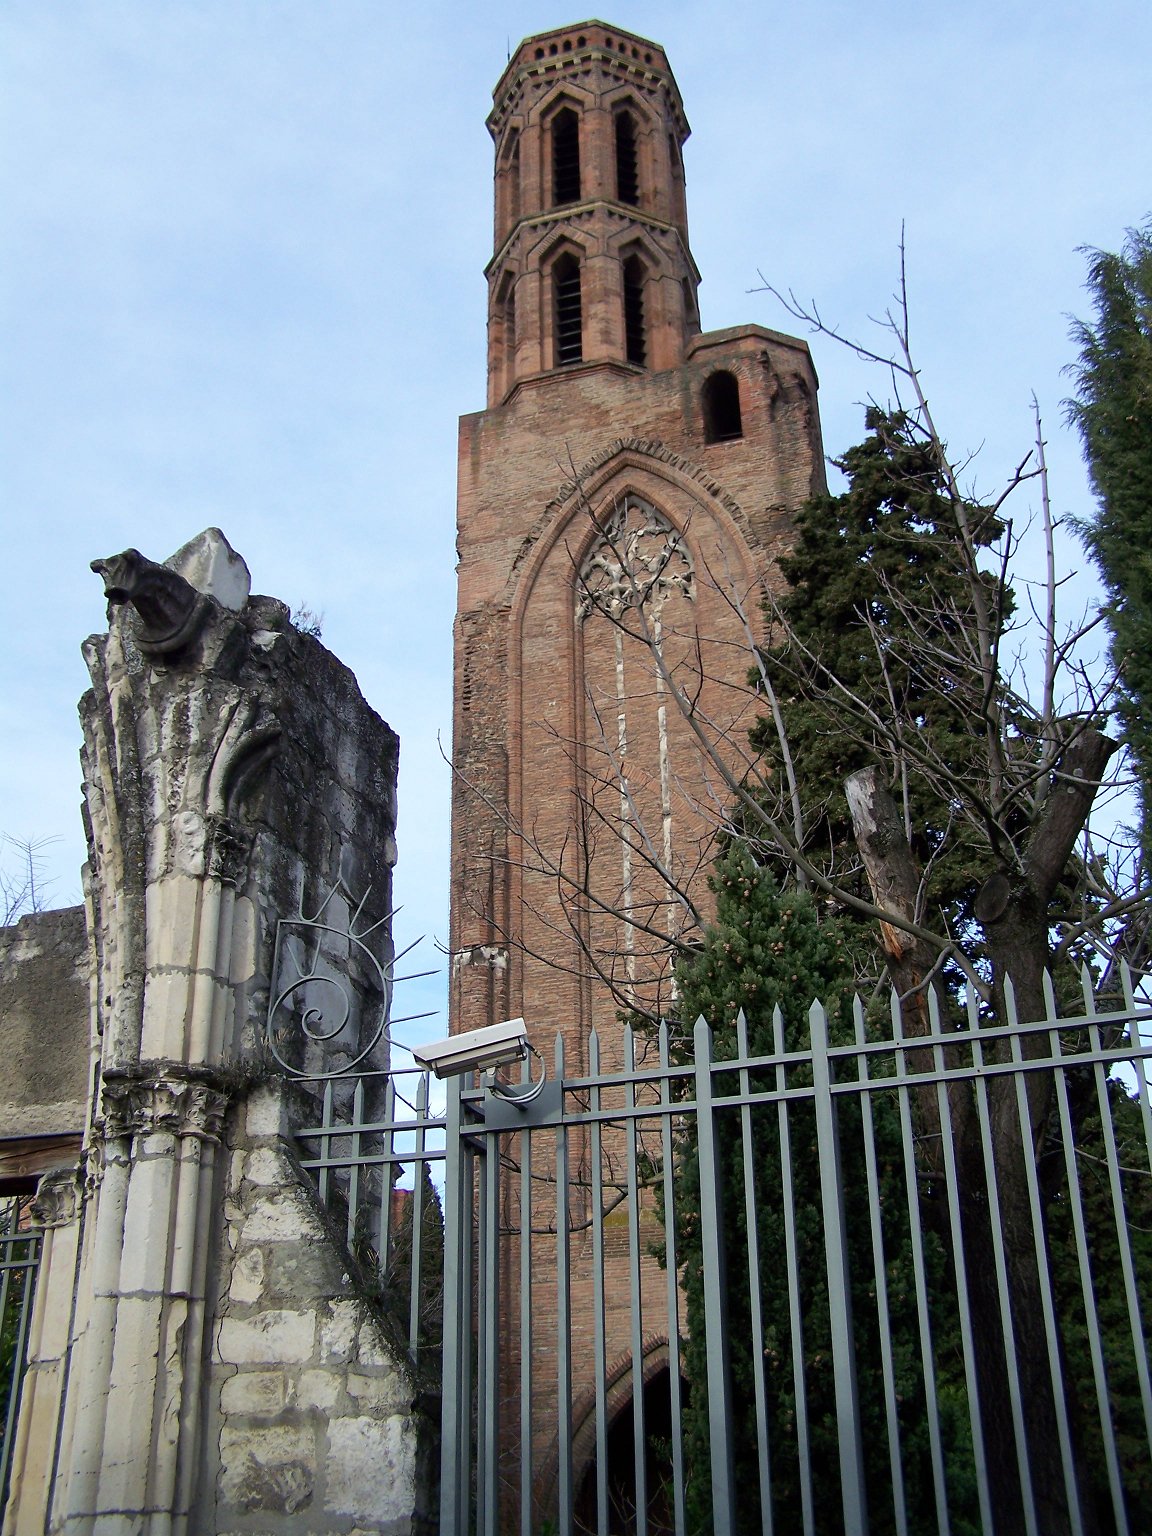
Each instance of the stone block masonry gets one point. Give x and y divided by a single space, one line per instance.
315 1422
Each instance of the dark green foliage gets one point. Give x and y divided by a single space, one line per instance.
1092 1192
1113 409
881 593
768 949
390 1283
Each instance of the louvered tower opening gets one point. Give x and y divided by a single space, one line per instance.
565 157
569 317
634 338
627 180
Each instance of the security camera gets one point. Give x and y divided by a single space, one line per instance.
476 1050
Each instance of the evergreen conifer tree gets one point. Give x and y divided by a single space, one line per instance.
1113 410
879 595
769 950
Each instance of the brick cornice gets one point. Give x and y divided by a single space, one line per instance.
651 448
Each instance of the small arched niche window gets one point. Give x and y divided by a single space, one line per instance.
506 314
721 401
627 176
567 311
565 157
512 177
635 338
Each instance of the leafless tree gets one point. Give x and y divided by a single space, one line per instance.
1034 797
23 886
1055 884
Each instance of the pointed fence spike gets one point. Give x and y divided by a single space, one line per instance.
972 1007
629 1049
1010 1017
778 1028
594 1053
858 1019
1050 1009
741 1034
817 1023
702 1039
1128 987
896 1014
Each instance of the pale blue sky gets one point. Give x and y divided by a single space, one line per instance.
240 276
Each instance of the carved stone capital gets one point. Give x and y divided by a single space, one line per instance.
93 1164
164 1097
57 1199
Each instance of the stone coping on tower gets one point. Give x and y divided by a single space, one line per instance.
732 335
569 212
550 52
729 338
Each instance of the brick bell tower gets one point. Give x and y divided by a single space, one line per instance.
630 476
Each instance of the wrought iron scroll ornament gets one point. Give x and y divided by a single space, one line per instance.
326 998
639 558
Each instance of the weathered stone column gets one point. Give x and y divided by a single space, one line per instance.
178 732
231 768
56 1211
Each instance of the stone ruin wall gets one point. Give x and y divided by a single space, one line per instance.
44 1006
203 1359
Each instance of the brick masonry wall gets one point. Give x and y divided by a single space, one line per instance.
536 719
531 472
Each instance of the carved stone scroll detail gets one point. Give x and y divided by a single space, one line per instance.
57 1199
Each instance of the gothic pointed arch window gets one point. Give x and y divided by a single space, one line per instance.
567 311
510 178
720 399
638 559
505 322
565 127
634 588
635 331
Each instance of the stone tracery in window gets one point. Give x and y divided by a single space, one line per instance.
640 558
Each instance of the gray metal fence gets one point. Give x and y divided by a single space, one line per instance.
19 1260
807 1276
375 1148
795 1275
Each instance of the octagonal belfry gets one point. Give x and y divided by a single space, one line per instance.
591 261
